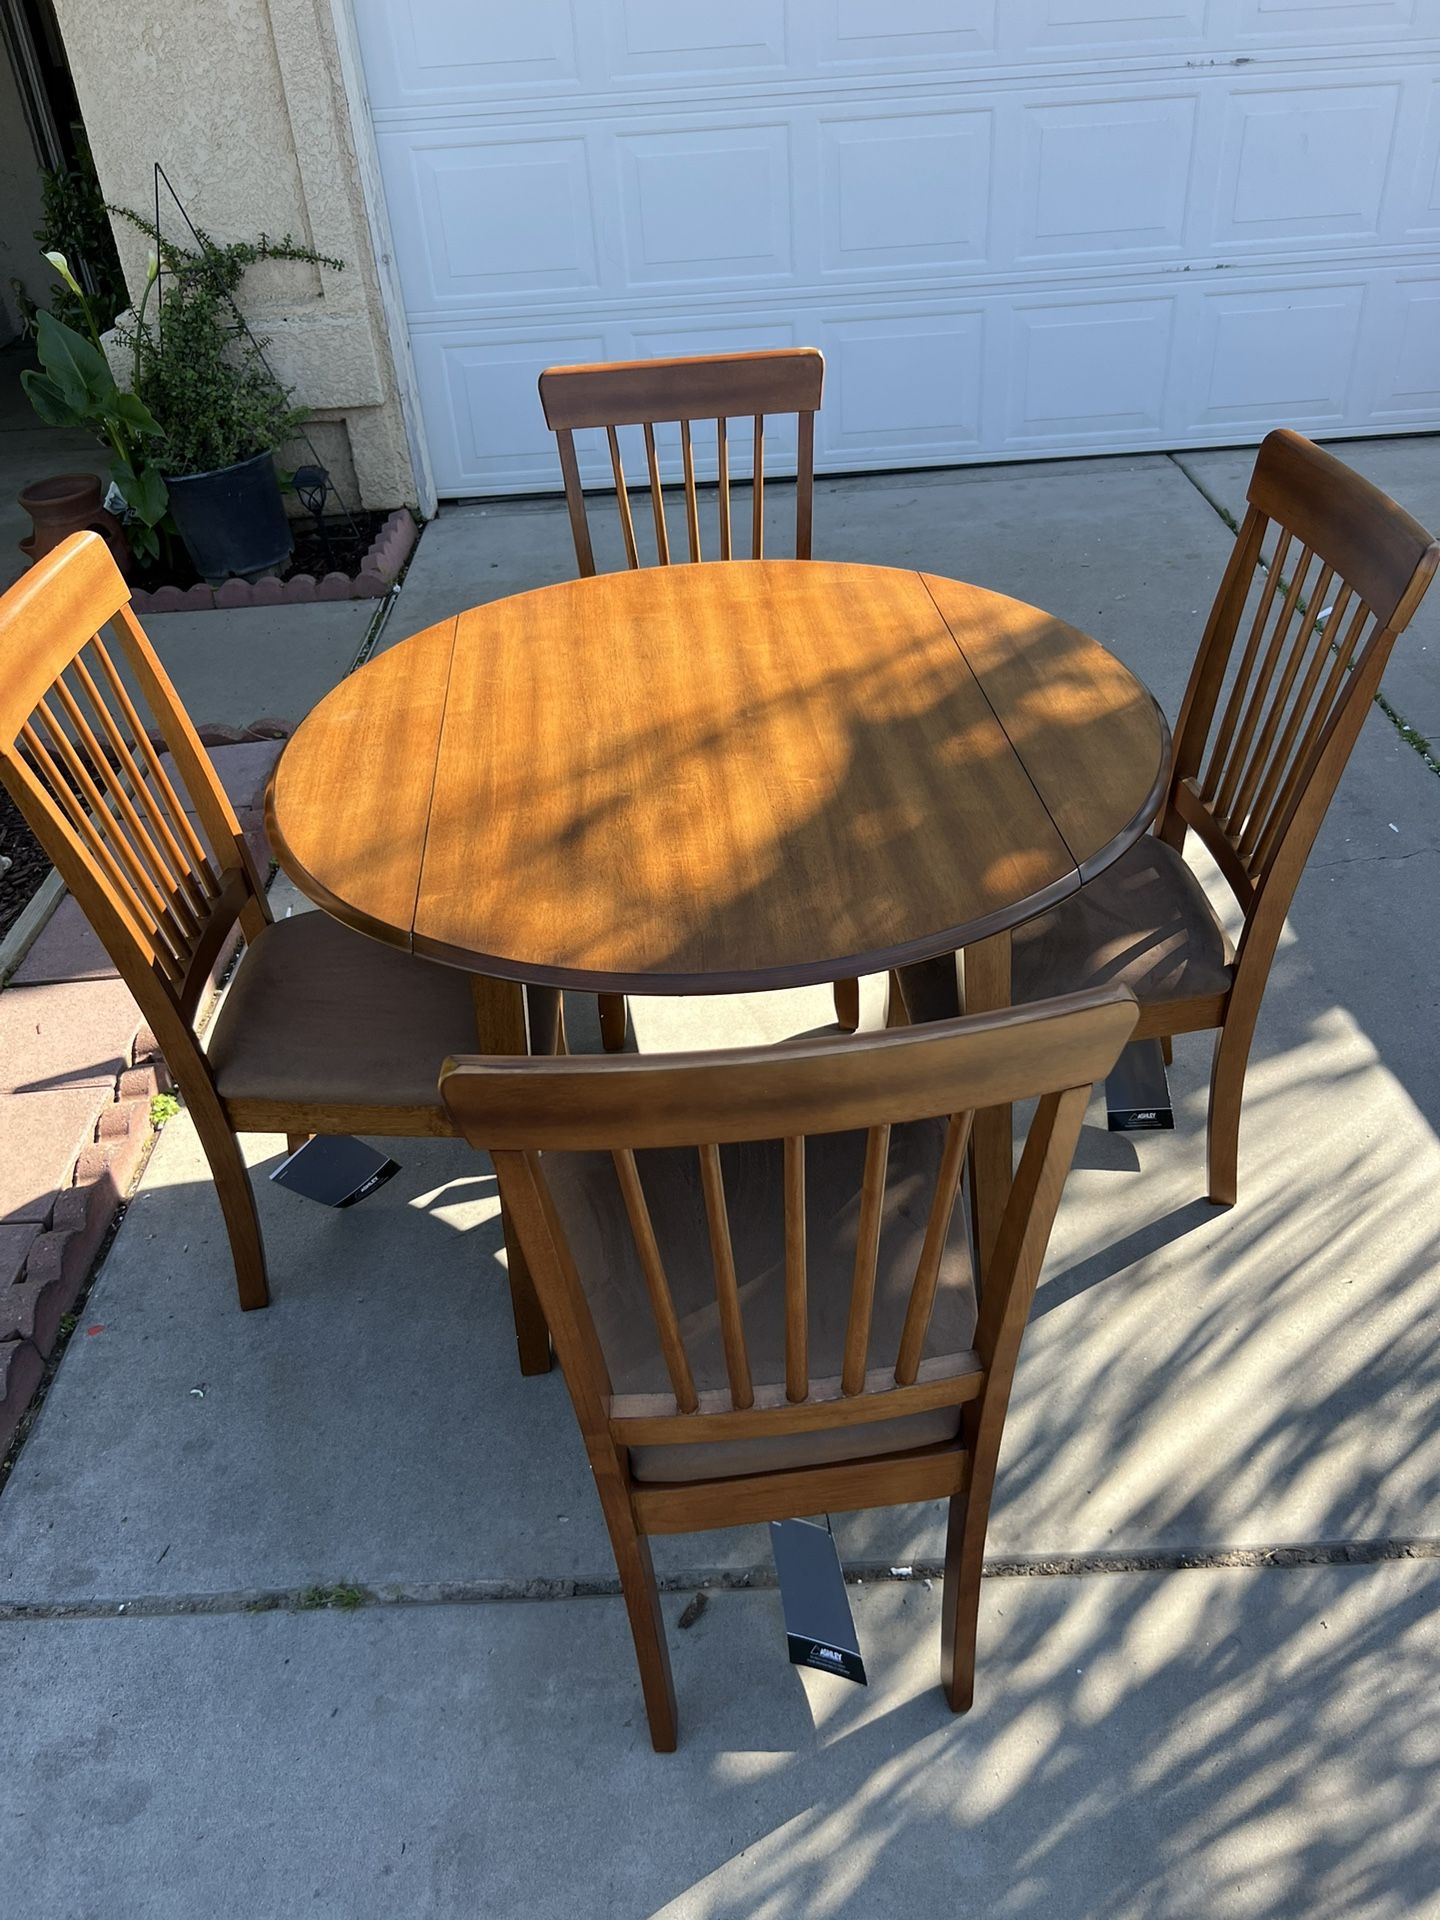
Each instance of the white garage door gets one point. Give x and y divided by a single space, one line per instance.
1015 227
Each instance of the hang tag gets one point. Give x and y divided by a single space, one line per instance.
334 1169
819 1626
1137 1092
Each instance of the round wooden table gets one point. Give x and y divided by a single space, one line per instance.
706 779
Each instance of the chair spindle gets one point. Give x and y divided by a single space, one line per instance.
137 837
1247 793
867 1254
622 500
657 498
1255 697
662 1304
727 1292
927 1271
692 499
1235 703
722 456
191 866
757 504
797 1305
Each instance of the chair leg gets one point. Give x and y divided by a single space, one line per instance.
532 1330
1227 1089
294 1141
960 1597
847 1004
237 1202
647 1623
1167 1049
612 1022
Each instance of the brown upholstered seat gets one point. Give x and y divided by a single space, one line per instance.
1145 923
589 1203
317 1012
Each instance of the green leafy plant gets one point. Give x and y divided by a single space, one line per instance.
74 223
200 373
74 387
163 1107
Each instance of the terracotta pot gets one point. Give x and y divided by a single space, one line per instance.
70 503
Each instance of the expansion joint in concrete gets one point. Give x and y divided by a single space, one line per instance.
346 1597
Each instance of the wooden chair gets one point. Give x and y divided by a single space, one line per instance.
1288 666
756 1274
322 1030
714 387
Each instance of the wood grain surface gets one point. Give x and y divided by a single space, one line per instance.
705 779
348 804
1085 728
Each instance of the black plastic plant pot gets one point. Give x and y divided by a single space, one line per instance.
232 520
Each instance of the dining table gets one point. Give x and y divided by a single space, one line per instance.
716 778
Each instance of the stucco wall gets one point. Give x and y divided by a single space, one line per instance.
242 103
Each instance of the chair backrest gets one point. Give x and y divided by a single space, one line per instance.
154 854
718 387
523 1109
1325 572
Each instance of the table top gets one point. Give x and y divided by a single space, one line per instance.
701 779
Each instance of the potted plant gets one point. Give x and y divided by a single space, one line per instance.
75 387
219 412
194 436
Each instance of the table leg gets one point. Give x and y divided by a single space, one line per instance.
930 989
992 1147
503 1025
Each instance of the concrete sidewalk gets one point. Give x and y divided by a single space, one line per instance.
1239 1404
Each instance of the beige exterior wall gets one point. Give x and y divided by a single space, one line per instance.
244 104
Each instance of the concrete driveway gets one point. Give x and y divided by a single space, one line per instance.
312 1611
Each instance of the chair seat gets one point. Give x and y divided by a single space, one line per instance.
588 1200
319 1014
1144 922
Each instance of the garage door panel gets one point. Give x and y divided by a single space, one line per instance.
706 206
693 39
1084 372
897 193
902 384
474 217
1327 20
429 52
884 34
1281 353
1421 215
1405 350
1304 163
481 403
1106 177
1131 25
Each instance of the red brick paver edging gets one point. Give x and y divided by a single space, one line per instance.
387 553
46 1265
